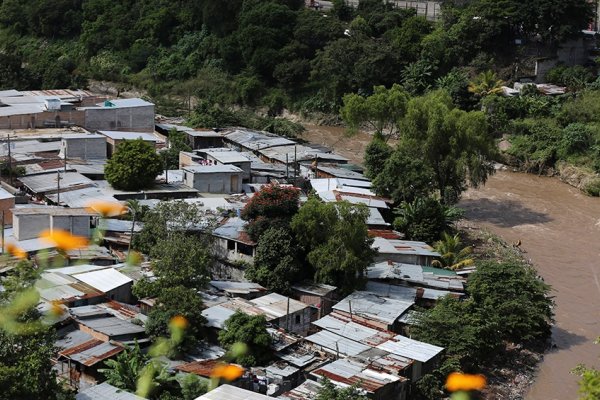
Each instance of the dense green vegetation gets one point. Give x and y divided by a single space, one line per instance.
507 303
270 53
250 330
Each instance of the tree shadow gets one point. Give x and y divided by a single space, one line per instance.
564 340
505 214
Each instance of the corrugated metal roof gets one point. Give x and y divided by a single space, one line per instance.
217 315
47 182
212 169
105 391
233 229
123 103
350 371
390 246
256 140
52 210
372 306
342 173
297 152
351 330
319 289
238 287
410 348
202 368
82 197
119 135
96 354
435 278
112 326
275 305
227 157
396 292
335 343
104 280
308 390
228 392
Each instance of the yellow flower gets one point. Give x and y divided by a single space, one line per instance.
229 372
179 321
63 240
457 381
15 251
106 208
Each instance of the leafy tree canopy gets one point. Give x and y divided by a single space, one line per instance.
251 330
134 166
336 240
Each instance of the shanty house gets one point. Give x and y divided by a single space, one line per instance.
85 147
130 115
404 251
114 138
317 295
279 310
29 222
214 178
7 202
377 383
226 156
233 242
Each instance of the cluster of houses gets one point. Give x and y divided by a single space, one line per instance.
56 143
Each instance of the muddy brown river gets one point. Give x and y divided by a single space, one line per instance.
559 228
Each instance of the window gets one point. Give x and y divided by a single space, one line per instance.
297 319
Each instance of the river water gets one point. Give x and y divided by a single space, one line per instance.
559 228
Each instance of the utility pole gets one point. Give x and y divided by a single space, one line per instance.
131 233
10 178
2 231
58 178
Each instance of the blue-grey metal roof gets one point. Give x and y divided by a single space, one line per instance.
372 306
335 343
105 391
410 348
112 326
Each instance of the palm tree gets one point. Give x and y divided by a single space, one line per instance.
454 253
124 371
486 83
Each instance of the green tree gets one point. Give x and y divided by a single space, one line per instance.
454 144
335 238
511 295
425 219
26 341
134 166
177 143
181 260
192 387
172 302
377 153
589 384
250 330
404 177
124 371
169 217
271 206
485 84
454 253
461 329
382 111
329 391
276 264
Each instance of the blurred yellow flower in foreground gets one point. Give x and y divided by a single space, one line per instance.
63 240
106 208
179 322
229 372
15 251
55 308
457 381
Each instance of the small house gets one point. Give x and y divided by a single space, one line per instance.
85 147
29 222
226 156
225 179
114 138
319 296
404 251
233 242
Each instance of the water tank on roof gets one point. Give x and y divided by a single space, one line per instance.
52 104
107 103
